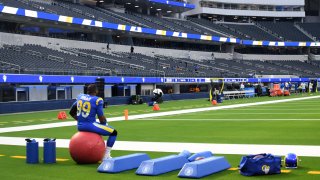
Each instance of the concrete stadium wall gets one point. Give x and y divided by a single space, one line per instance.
270 57
17 107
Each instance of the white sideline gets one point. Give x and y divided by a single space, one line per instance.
185 111
242 149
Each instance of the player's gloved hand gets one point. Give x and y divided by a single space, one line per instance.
105 123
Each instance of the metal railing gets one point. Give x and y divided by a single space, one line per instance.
77 63
12 66
104 59
102 69
50 71
34 53
56 58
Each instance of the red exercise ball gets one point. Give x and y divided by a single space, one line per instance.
87 147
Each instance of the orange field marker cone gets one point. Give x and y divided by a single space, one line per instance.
156 107
62 115
214 102
126 114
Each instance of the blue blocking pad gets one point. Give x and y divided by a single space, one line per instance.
122 163
204 154
161 165
185 153
204 167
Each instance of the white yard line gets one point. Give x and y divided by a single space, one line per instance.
152 115
245 113
176 147
195 119
270 109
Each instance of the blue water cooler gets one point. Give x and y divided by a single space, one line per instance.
49 151
32 151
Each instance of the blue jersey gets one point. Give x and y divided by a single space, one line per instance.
88 107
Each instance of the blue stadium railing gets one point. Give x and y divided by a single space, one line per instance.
121 27
44 79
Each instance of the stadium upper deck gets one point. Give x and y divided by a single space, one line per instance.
182 29
248 10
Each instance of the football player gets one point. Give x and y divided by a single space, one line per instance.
85 109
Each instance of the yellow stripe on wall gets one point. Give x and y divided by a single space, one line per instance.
121 27
69 19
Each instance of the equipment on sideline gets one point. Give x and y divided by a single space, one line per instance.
260 164
204 154
62 115
216 89
49 151
32 151
157 95
214 102
286 93
122 163
291 160
156 107
162 165
87 147
204 167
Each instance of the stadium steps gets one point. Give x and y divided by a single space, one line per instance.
305 32
215 33
120 16
192 26
239 33
311 28
253 31
287 30
91 13
165 24
214 27
269 31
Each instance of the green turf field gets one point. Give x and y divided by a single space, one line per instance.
22 119
290 123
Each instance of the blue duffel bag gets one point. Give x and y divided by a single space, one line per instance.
260 164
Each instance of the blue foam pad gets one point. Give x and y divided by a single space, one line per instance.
185 153
162 165
204 154
204 167
122 163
